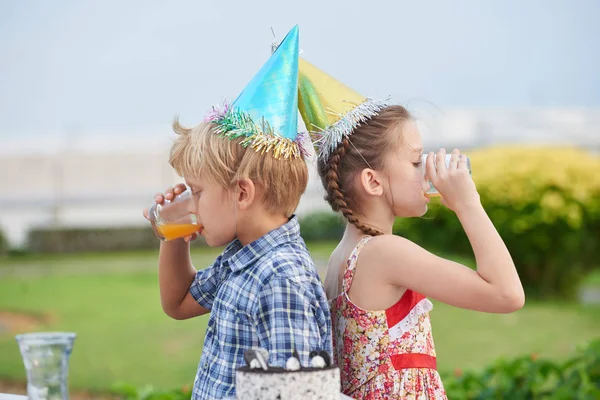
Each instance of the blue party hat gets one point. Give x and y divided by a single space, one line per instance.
265 113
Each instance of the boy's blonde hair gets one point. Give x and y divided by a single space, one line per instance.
200 153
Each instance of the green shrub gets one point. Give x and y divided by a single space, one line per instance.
545 203
3 244
531 377
72 240
128 392
322 226
527 377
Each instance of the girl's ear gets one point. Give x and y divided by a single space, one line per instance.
371 182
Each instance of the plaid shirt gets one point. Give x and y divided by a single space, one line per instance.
267 294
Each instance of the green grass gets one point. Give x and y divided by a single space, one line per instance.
593 279
112 302
122 334
119 262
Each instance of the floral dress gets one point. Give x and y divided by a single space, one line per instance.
385 354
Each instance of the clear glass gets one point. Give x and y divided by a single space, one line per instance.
432 191
173 219
46 359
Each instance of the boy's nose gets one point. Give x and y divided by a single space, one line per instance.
191 205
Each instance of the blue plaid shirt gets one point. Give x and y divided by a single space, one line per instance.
267 294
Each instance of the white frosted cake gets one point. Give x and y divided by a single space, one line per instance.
259 381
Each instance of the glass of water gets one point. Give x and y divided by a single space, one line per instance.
432 191
46 359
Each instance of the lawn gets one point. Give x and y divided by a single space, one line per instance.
111 301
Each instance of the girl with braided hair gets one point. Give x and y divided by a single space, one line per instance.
378 284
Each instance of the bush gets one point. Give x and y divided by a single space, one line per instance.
128 392
71 240
3 244
322 226
545 203
531 377
527 377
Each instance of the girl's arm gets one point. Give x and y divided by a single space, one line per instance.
495 285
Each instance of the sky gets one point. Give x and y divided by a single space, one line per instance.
102 66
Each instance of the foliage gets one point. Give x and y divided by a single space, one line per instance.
545 203
130 392
322 226
531 377
4 248
524 378
75 240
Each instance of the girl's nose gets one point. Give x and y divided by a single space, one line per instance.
425 184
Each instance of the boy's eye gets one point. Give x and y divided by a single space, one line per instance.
418 164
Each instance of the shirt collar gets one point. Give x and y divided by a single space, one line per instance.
238 257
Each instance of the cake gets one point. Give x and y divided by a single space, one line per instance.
257 380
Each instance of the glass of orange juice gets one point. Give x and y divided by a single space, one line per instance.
173 219
432 191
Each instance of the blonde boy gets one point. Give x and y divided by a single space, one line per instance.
263 290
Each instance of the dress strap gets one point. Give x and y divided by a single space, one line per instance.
351 263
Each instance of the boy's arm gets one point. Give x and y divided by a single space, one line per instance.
286 322
175 277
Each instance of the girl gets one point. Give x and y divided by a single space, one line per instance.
378 283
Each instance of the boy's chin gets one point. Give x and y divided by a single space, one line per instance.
213 243
216 242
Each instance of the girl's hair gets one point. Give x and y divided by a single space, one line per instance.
366 147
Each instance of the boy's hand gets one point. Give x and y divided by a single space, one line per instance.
169 195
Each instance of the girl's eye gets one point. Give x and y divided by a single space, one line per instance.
418 164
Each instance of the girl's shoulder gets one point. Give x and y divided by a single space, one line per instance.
388 255
384 246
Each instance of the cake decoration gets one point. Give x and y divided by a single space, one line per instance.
321 358
260 381
257 358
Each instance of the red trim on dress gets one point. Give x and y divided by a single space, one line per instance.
400 310
414 360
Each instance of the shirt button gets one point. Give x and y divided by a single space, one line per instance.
205 365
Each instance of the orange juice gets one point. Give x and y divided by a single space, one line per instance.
432 192
176 231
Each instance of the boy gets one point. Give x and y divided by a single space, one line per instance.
245 168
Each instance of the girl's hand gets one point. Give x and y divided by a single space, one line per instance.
453 182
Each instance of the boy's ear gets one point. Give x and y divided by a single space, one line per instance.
371 182
245 193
